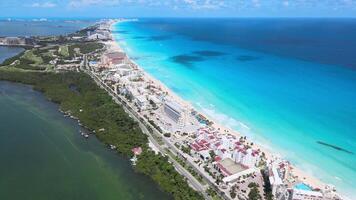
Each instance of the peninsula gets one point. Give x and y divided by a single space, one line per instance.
187 154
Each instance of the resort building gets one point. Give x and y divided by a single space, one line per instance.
330 193
113 58
279 190
174 111
301 194
141 102
245 156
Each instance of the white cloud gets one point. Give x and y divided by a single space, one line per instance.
203 4
174 4
84 3
43 5
286 3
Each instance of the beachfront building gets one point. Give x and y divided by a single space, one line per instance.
329 192
301 194
279 189
228 167
141 102
175 112
99 34
233 159
112 59
245 156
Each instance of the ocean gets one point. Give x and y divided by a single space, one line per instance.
288 84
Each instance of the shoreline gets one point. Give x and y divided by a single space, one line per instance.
303 176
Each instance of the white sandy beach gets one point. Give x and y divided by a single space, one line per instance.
302 175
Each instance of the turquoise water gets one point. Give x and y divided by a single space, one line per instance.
302 186
286 101
44 157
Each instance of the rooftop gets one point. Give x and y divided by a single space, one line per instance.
230 166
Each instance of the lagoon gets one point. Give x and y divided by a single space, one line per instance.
43 156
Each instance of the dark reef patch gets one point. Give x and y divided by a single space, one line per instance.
121 32
135 58
209 53
187 60
245 58
160 38
139 37
335 147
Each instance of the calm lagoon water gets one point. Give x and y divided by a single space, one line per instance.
286 83
43 156
27 27
7 52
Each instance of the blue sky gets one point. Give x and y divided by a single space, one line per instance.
178 8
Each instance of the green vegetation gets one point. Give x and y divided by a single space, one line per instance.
211 192
32 59
188 168
84 31
35 59
267 188
11 60
84 48
28 60
254 194
185 149
99 111
155 125
63 50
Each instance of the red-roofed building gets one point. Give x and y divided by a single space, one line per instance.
217 158
137 150
113 58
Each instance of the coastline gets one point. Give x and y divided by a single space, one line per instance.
303 176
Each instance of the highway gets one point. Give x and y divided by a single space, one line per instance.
143 125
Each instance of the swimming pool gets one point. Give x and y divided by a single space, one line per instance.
302 186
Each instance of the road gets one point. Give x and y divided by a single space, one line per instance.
143 125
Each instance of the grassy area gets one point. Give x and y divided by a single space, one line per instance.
31 57
100 111
84 48
63 50
28 60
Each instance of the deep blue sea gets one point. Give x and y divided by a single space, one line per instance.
288 84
